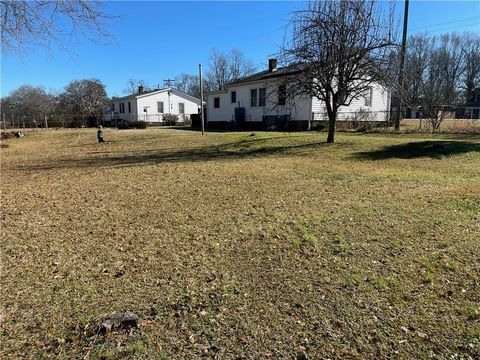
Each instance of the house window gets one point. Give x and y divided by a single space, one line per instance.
282 95
234 97
253 97
216 102
122 108
181 108
368 96
129 108
262 96
160 107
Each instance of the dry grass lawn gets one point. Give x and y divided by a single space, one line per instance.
234 246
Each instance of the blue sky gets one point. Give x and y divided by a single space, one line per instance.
159 40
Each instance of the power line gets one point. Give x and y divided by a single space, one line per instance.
448 28
447 23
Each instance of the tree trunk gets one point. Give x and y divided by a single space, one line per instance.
332 118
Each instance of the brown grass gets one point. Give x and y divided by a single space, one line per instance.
448 125
236 246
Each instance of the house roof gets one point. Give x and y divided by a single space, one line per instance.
264 75
157 91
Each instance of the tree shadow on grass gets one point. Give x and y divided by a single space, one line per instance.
229 151
412 150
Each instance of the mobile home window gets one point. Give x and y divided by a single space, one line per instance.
368 96
216 102
129 107
234 97
181 108
282 95
253 97
160 107
262 96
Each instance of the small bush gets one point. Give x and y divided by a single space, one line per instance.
123 125
170 119
139 124
132 125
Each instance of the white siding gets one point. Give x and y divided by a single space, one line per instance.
378 110
170 105
226 111
170 100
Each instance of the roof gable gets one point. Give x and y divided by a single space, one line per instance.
159 91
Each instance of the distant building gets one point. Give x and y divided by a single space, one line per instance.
259 101
471 109
151 106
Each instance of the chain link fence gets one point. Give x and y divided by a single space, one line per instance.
42 121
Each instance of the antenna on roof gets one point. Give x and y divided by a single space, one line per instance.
168 82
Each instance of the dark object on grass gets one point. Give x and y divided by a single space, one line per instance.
100 134
19 134
117 321
253 134
7 135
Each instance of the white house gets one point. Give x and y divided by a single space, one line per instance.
151 106
258 101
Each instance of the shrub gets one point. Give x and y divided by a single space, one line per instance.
139 125
186 120
123 125
170 119
132 125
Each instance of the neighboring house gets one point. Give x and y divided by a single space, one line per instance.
151 106
471 109
259 101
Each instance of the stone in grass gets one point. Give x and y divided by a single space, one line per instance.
118 320
302 356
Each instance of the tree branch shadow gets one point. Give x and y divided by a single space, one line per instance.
229 151
429 149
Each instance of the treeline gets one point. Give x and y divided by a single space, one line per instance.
441 72
84 102
81 103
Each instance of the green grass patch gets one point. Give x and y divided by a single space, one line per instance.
195 234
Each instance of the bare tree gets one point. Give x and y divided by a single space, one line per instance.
189 84
440 91
29 103
434 71
419 52
43 22
225 68
470 80
85 99
133 86
338 48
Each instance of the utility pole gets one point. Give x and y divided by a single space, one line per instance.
168 82
46 122
201 98
402 65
